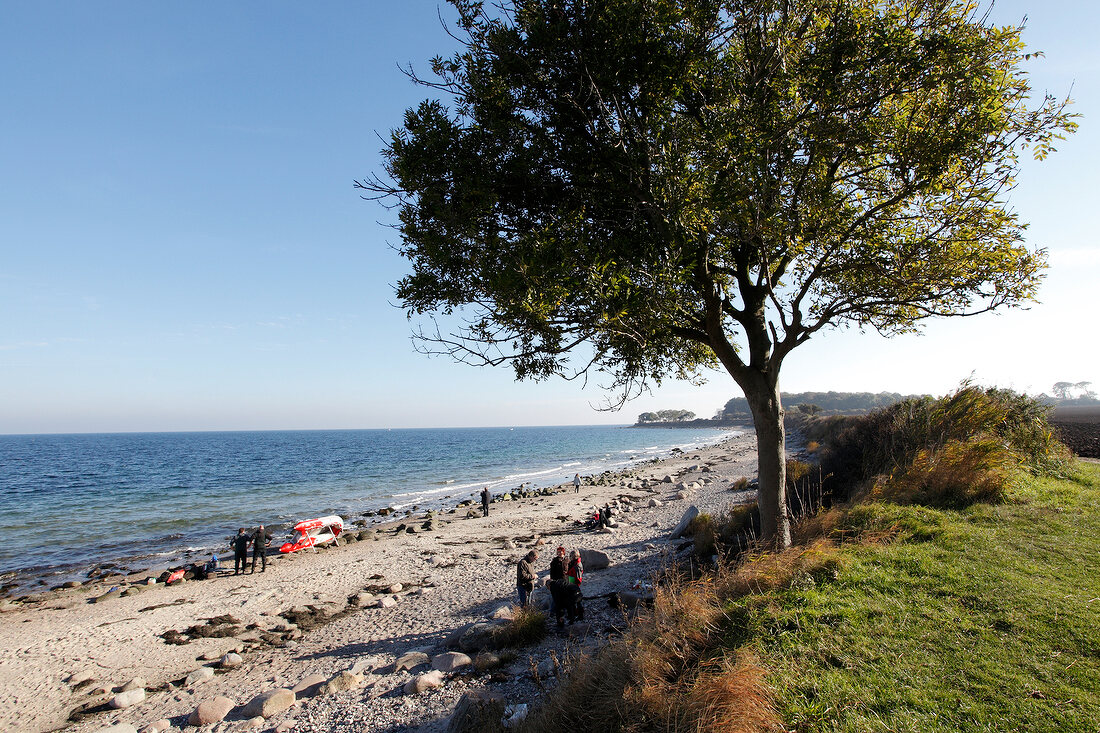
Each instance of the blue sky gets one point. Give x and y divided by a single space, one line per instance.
181 247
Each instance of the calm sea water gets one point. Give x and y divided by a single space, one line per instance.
149 499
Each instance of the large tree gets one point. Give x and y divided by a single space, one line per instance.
649 188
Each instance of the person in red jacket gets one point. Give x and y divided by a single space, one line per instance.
575 572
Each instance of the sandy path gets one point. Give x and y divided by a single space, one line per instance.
458 573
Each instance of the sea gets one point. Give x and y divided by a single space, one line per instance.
72 504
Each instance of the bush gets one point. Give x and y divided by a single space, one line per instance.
1006 429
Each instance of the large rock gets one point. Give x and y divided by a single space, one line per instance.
211 711
128 698
424 682
157 726
476 637
678 532
450 661
269 703
410 660
476 711
594 560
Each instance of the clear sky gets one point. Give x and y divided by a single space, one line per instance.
181 247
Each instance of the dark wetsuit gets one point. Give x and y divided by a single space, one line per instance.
259 548
240 553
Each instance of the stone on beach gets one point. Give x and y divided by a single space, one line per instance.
424 682
342 682
410 660
230 660
269 703
211 711
309 686
477 710
655 503
450 661
594 559
685 521
199 675
133 684
127 698
157 726
386 602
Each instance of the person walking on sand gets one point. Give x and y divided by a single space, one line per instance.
485 502
240 551
576 483
525 577
259 548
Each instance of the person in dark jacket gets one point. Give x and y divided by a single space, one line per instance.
485 501
525 577
240 551
259 548
557 573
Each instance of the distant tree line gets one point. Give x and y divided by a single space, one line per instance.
666 416
814 402
1071 393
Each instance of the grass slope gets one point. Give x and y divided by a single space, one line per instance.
985 619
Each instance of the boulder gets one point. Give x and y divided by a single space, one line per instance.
477 710
309 686
387 602
450 661
667 480
199 675
410 660
269 703
655 502
594 560
128 698
157 726
112 593
476 637
396 588
211 711
424 682
678 532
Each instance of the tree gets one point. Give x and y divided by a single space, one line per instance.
651 189
648 417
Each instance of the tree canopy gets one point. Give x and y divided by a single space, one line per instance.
648 189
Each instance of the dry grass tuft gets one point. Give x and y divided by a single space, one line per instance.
768 571
527 627
729 696
957 475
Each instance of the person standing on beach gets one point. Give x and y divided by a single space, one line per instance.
485 501
525 577
576 483
259 548
575 574
240 551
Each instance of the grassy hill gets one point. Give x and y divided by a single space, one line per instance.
955 588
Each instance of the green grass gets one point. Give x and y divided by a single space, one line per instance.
983 619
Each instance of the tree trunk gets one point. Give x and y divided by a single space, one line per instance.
767 416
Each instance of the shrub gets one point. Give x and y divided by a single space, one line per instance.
886 442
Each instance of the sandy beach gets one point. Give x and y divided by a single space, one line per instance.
356 608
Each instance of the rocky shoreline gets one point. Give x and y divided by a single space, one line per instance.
386 633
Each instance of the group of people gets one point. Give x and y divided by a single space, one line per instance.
258 539
565 581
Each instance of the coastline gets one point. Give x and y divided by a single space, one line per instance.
60 652
184 496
